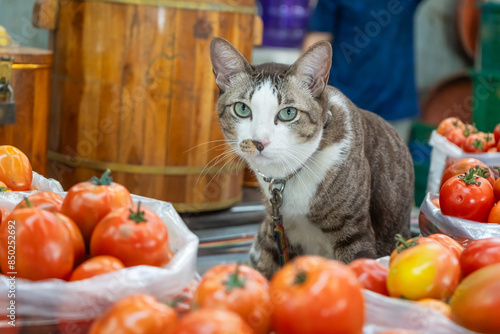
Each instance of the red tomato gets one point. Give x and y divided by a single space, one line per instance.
448 242
136 238
467 196
311 293
43 247
76 236
449 124
372 275
479 254
136 314
15 168
212 321
240 289
490 140
476 301
496 189
424 271
462 166
45 200
475 143
88 202
95 266
496 133
456 136
437 305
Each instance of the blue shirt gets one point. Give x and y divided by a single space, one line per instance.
373 61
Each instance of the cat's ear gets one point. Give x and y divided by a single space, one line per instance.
313 67
227 62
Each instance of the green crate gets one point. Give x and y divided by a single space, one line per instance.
489 37
421 155
486 106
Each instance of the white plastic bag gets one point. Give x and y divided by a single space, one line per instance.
55 299
444 153
432 221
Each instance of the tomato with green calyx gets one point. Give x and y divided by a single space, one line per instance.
456 136
137 314
475 143
475 304
467 196
45 200
312 294
15 168
480 253
86 203
424 271
402 245
43 246
240 289
212 321
135 236
463 166
449 124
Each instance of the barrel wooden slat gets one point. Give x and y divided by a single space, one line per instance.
140 91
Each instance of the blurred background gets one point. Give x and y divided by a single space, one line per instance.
128 85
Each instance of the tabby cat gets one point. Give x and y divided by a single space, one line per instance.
350 186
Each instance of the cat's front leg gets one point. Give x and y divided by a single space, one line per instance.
264 253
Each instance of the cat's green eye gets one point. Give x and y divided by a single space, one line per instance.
242 110
287 114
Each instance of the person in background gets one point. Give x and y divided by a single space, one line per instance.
373 60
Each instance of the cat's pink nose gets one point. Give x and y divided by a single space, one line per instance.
259 145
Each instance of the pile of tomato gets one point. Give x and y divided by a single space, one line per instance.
94 229
468 138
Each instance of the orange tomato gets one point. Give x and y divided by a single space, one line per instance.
86 203
43 247
136 314
437 305
424 271
448 242
496 189
15 168
372 275
76 236
4 213
135 237
95 266
240 289
476 301
311 294
494 215
449 124
45 200
212 321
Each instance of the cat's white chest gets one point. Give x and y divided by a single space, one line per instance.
299 193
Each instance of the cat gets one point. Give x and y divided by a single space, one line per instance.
350 187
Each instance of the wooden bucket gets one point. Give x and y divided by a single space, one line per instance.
30 81
134 92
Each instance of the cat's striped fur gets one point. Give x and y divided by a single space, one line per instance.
354 190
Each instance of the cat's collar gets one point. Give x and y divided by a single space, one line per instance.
282 180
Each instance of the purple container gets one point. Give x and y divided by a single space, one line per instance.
285 22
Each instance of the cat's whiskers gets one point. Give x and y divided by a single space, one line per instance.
225 155
224 143
233 158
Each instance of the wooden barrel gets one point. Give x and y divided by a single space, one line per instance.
30 81
134 92
451 97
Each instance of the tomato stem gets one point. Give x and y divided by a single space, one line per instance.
3 189
483 172
176 301
137 216
402 244
234 281
469 178
478 144
105 179
300 278
28 203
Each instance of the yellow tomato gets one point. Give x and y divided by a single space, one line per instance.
424 271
